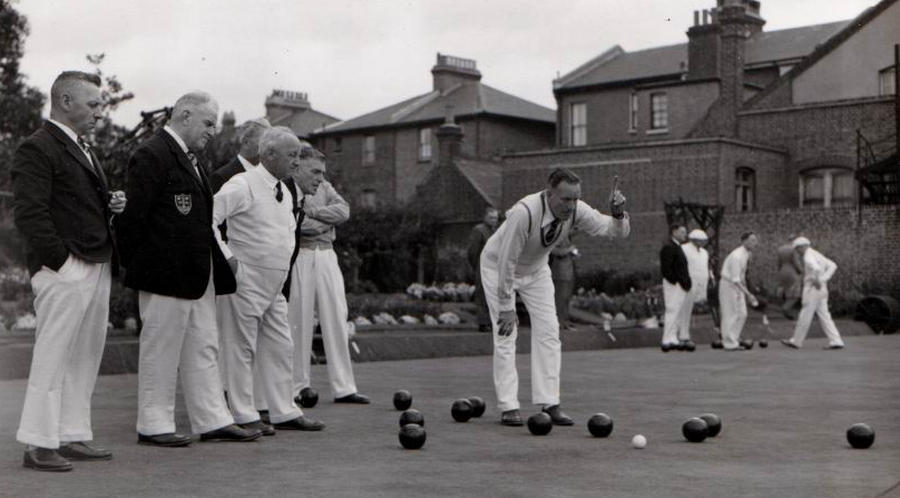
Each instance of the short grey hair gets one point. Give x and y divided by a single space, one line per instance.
63 83
192 100
251 125
272 137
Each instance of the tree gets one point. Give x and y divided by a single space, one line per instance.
20 104
107 134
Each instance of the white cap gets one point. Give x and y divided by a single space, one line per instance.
697 234
800 241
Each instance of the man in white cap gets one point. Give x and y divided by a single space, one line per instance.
514 261
733 293
817 271
698 268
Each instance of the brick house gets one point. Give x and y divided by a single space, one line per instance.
386 156
292 109
765 123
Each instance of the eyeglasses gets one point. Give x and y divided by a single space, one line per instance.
311 152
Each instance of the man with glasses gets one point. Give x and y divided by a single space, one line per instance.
317 286
261 223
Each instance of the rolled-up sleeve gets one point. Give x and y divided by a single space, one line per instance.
597 224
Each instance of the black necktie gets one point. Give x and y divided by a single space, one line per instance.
192 157
278 194
550 233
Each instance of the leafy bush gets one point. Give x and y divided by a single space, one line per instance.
616 283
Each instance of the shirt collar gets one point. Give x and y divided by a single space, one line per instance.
245 163
266 176
548 215
65 129
178 139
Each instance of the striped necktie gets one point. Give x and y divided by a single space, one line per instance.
548 236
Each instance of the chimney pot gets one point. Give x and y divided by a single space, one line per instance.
705 16
696 17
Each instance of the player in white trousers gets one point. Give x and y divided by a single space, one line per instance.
514 261
676 285
317 286
733 293
62 210
698 268
817 271
258 209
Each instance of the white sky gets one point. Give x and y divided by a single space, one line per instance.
353 56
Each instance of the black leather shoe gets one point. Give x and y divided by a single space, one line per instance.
167 440
747 344
789 343
259 425
355 398
512 418
557 416
668 347
232 433
45 459
834 346
81 451
301 423
264 416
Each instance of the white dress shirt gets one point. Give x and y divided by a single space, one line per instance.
734 268
816 267
74 136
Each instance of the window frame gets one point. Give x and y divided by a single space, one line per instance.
425 146
578 129
633 112
655 112
883 75
827 175
744 183
368 156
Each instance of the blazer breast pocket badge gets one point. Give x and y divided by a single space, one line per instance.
183 203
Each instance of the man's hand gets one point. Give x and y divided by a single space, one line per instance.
617 204
753 302
233 264
506 322
117 201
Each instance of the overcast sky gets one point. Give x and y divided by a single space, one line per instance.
353 56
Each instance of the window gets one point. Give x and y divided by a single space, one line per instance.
425 144
659 111
368 199
338 144
744 189
578 130
369 149
633 116
887 81
826 187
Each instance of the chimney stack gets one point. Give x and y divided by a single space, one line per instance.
450 137
450 70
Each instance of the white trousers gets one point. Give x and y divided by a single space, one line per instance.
676 300
223 315
317 285
72 308
815 302
179 338
257 340
733 306
546 356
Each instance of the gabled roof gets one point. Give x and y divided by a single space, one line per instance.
302 122
486 177
616 65
467 99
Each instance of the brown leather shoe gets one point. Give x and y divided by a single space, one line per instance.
81 451
301 423
259 425
511 418
45 459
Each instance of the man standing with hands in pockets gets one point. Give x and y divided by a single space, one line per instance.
514 260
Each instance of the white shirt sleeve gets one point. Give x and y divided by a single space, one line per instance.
234 197
596 224
512 243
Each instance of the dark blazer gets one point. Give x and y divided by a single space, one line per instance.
165 233
298 215
673 264
60 201
218 177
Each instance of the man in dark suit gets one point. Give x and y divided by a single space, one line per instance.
248 155
62 209
173 260
676 284
477 239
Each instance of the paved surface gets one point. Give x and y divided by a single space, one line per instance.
785 413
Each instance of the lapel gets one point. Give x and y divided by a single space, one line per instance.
296 196
183 159
101 175
73 149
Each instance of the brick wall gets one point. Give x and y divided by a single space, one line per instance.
497 136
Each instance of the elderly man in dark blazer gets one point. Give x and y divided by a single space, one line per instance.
676 284
62 208
247 157
173 260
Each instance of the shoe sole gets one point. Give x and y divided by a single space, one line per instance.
299 429
165 445
47 469
87 459
232 440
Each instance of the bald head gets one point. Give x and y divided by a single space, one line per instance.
279 152
75 100
194 118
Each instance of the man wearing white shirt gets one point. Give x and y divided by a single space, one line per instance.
817 271
514 261
733 294
259 211
317 286
698 269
